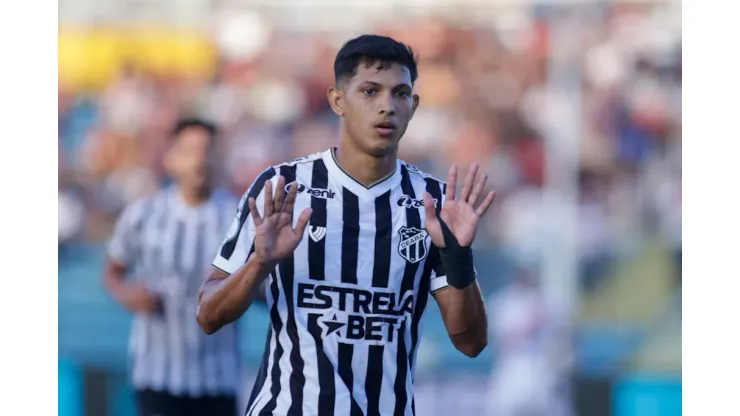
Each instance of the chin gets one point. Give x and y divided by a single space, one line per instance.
382 146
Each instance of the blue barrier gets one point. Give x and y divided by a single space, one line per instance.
648 396
70 388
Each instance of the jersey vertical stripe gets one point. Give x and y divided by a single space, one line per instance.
413 220
297 379
349 248
316 262
317 246
381 273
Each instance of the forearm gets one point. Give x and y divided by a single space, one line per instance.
224 299
115 274
464 314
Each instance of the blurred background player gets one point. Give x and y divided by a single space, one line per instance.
164 244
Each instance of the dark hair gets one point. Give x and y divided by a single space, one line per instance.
187 123
371 49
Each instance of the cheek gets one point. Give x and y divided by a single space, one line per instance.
405 109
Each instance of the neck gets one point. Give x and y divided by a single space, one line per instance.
363 167
194 196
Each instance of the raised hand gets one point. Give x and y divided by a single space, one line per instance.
459 214
275 237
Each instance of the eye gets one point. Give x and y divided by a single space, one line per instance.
369 91
402 94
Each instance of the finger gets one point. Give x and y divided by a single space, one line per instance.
485 204
279 194
300 226
429 206
290 201
468 182
253 212
480 182
451 183
268 199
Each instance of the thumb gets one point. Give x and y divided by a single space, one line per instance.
429 206
302 222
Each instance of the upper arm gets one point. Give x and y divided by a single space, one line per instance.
239 240
124 245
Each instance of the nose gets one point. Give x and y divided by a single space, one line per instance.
387 106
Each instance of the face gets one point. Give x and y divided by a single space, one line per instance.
189 159
376 106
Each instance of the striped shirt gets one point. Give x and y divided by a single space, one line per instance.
346 307
169 245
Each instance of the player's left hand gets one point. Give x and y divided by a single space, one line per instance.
459 212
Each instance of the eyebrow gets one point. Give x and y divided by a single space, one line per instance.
401 85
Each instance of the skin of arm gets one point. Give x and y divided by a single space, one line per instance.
224 298
464 316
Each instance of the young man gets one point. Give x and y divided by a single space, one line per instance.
166 243
346 300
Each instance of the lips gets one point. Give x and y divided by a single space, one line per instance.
386 125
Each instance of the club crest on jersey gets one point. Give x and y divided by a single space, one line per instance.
316 233
413 244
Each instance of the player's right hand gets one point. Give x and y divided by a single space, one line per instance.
275 237
138 298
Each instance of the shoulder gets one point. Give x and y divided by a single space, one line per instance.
274 170
417 174
134 212
301 160
272 173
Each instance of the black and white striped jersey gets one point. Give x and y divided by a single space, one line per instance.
169 245
346 308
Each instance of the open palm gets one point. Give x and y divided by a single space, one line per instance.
460 215
275 237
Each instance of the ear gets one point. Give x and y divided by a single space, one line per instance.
415 105
335 96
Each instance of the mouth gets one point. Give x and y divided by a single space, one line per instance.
385 128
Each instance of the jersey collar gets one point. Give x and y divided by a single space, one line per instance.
357 188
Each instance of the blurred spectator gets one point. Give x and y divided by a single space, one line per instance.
530 337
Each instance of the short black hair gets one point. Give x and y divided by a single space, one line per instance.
371 49
186 123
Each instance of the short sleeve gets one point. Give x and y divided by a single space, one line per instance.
124 245
239 240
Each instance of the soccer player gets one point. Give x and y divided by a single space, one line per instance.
166 243
347 298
